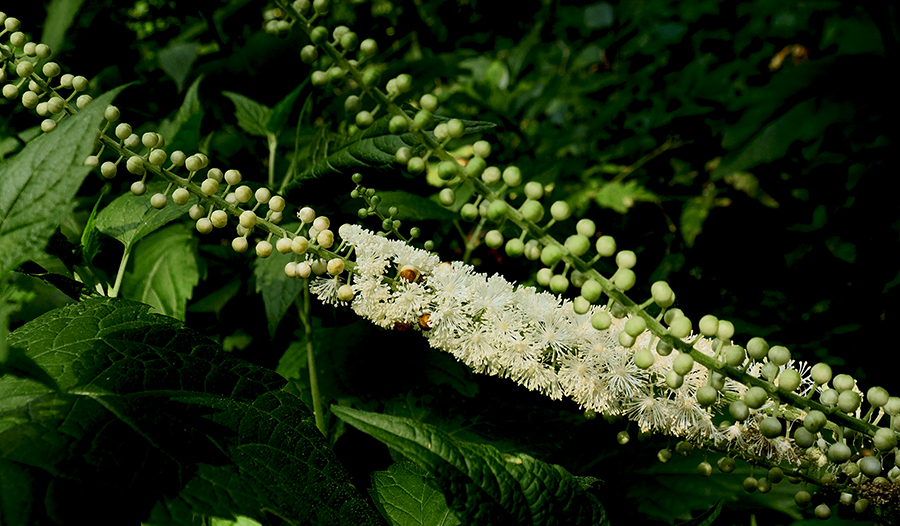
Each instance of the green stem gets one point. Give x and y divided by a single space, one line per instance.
114 291
311 361
273 147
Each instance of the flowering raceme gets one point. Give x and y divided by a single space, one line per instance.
538 340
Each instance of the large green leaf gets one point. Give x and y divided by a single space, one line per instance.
165 270
131 217
406 499
157 424
39 183
183 131
481 484
374 148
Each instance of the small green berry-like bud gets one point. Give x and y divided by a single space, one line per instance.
322 7
283 245
240 244
814 421
196 212
51 69
482 149
349 41
447 197
704 469
335 266
204 226
848 401
42 51
416 165
600 320
559 284
789 380
739 410
497 210
79 83
624 279
309 54
532 210
219 218
560 211
24 68
264 249
476 167
157 157
839 453
683 364
635 326
707 395
428 102
821 373
180 196
578 245
248 219
493 239
804 438
404 83
398 124
550 255
662 294
626 259
885 439
770 427
680 327
709 325
829 397
364 119
469 212
299 245
108 169
755 397
843 382
778 354
757 348
515 247
823 511
726 464
456 128
368 47
512 176
674 380
209 186
644 358
243 194
534 190
591 290
158 201
135 165
447 170
606 246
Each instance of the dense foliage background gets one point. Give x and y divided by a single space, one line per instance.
741 149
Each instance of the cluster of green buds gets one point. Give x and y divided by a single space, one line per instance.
52 96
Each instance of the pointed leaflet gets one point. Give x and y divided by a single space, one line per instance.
375 148
252 116
154 416
482 485
165 270
131 217
407 500
39 182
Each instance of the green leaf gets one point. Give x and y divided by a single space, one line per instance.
89 242
622 196
183 132
131 217
176 60
282 110
17 364
706 518
28 212
406 499
375 147
693 214
60 15
157 425
165 270
278 290
483 485
252 116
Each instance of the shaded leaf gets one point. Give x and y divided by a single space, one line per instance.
483 485
28 212
406 499
18 364
165 270
282 110
131 217
252 116
176 60
693 214
374 147
622 196
155 417
60 15
183 132
413 207
706 518
278 290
